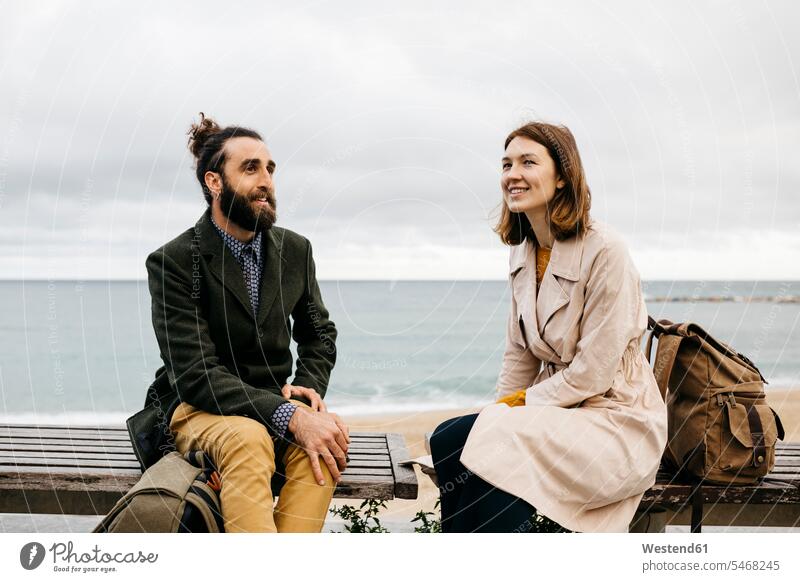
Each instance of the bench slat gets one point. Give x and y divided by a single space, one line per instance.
61 473
127 454
70 454
789 475
65 441
676 497
10 434
25 433
368 453
124 447
84 470
353 468
61 447
106 476
368 434
63 427
359 463
777 473
44 462
787 461
367 479
366 446
386 472
377 458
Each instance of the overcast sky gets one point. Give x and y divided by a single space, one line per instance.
387 122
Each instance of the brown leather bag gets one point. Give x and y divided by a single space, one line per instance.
720 428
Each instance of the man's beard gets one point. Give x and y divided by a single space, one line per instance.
240 209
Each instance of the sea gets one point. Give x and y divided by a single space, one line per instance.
84 352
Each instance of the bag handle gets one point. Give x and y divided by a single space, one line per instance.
666 352
651 325
659 328
778 424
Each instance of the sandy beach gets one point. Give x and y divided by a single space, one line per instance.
414 425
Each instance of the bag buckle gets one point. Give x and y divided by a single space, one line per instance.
732 399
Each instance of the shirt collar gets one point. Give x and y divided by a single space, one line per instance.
565 256
236 246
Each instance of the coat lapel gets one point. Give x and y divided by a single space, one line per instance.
523 286
272 274
523 277
552 297
536 309
565 263
221 261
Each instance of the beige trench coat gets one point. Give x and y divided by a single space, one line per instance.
587 443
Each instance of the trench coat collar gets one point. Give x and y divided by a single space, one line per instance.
565 258
539 305
224 266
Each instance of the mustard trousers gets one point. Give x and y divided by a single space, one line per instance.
244 454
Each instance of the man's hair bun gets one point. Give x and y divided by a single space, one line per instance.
200 132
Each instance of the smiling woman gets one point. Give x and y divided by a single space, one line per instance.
542 171
578 426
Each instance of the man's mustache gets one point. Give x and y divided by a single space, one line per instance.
269 193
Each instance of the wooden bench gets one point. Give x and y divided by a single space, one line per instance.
85 470
775 502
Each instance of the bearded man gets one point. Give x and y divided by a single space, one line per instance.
228 295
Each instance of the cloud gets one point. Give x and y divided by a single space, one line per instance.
387 124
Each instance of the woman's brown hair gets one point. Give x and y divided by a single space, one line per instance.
569 208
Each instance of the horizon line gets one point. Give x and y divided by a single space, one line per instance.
144 280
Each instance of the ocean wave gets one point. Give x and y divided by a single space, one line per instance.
342 408
76 418
793 299
380 408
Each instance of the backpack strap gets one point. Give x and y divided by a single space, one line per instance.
202 494
778 424
668 346
696 498
203 499
756 436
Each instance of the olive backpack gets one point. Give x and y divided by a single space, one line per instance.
720 428
178 494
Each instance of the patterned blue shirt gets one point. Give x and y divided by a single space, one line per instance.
250 258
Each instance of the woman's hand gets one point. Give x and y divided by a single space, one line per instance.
514 399
288 391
